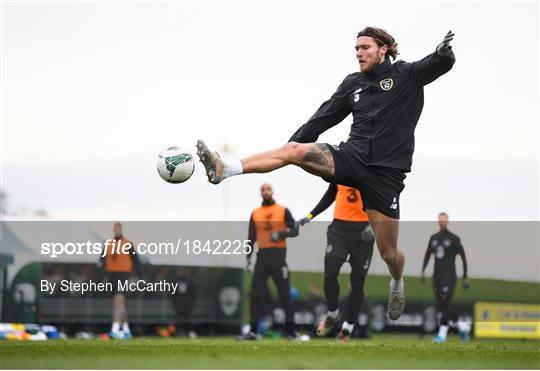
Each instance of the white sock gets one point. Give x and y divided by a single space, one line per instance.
347 326
443 330
232 167
125 327
396 285
463 327
115 327
333 314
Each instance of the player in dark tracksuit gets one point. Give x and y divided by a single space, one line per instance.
445 245
349 239
269 226
386 100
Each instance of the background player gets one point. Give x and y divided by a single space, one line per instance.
269 226
445 245
119 266
349 238
386 101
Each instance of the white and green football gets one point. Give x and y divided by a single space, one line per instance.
175 164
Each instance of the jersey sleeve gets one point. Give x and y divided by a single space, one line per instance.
292 228
427 255
327 199
430 68
329 114
461 253
252 236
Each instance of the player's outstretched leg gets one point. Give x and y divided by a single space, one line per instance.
315 158
386 234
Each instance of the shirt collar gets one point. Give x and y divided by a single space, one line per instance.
381 69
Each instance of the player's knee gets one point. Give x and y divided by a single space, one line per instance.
331 267
357 281
294 152
389 255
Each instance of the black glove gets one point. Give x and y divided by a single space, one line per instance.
444 48
275 237
305 220
367 234
248 265
465 283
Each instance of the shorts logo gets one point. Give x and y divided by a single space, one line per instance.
386 84
394 205
328 248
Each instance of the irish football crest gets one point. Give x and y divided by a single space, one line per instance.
386 84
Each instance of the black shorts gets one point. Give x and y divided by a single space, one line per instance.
379 186
443 287
346 244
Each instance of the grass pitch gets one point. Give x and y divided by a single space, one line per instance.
383 351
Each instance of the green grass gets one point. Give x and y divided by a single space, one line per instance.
389 351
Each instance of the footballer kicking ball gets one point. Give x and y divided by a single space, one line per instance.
175 164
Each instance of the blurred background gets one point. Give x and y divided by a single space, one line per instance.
93 91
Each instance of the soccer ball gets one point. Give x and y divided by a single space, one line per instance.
175 164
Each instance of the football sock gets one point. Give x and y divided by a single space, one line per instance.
115 327
232 167
348 326
443 330
334 314
463 327
396 285
125 327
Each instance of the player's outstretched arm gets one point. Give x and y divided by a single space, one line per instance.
329 114
436 64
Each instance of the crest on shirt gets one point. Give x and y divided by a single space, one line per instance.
386 84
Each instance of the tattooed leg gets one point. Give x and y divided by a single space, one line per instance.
315 158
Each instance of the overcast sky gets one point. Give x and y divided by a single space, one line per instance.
92 91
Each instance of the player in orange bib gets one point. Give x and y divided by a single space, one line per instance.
269 226
350 238
119 265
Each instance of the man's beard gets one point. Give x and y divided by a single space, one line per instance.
268 201
371 66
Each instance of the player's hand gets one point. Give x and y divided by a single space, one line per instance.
422 278
465 283
367 234
275 237
248 265
444 48
305 220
